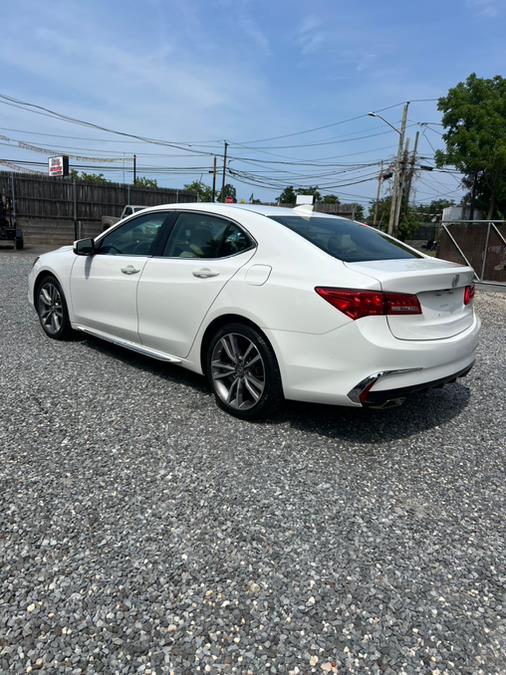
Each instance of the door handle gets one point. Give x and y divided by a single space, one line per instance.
205 273
130 269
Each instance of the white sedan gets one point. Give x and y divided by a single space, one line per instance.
269 303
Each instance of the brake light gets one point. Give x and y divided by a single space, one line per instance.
357 303
468 294
402 303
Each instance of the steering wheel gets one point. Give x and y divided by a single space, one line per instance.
110 249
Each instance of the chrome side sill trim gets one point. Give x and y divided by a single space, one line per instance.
133 346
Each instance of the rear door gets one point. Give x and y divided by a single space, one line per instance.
439 286
202 254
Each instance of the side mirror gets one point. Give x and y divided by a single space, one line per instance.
84 247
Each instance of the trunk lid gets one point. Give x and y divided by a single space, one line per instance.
439 286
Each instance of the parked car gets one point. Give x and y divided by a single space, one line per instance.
128 210
269 303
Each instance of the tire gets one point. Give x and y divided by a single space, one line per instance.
243 372
52 309
19 243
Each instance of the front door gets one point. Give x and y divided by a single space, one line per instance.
177 289
104 285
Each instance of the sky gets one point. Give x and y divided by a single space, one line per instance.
251 72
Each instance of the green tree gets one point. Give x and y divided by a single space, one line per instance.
310 190
383 212
474 118
203 192
228 191
288 196
359 212
409 222
330 199
426 212
143 182
91 178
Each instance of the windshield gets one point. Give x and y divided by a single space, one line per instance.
345 239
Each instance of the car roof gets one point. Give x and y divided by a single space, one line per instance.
261 209
264 209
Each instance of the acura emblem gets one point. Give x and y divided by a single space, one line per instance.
455 280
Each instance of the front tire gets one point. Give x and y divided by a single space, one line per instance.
243 372
52 309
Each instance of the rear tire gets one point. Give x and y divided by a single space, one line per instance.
52 309
243 372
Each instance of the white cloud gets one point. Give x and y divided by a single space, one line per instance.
256 35
179 84
310 35
487 8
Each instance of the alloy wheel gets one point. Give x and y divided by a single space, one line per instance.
237 371
50 307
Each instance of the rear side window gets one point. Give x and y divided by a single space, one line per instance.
197 235
345 239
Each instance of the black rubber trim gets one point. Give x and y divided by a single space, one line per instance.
380 398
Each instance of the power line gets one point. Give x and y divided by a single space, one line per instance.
101 140
349 139
33 107
50 151
323 126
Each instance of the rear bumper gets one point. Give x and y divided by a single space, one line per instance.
389 398
326 368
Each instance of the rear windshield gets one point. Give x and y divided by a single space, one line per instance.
345 239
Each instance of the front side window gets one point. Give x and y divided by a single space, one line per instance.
345 239
197 235
136 237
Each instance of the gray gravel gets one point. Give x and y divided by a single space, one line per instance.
144 531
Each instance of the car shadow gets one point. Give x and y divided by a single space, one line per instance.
162 369
421 412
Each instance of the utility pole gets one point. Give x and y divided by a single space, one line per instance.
214 178
135 168
411 170
378 193
393 222
402 185
224 171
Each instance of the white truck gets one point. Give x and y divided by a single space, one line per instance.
128 210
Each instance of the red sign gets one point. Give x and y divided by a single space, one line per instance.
58 166
229 200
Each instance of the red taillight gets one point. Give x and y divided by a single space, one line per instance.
354 304
402 303
468 294
357 303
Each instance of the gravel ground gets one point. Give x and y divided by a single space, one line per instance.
144 531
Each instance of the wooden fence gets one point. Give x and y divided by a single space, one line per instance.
43 197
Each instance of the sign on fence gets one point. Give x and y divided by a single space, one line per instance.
58 166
